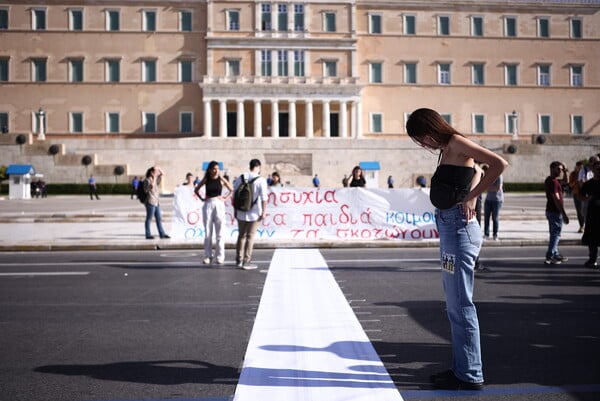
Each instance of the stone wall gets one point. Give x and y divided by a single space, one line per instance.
297 159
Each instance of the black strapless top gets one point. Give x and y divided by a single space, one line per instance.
450 185
213 187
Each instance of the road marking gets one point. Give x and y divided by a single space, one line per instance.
306 343
33 274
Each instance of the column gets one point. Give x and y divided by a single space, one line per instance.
353 128
343 120
308 114
241 128
257 119
358 119
207 119
326 129
292 119
222 118
274 119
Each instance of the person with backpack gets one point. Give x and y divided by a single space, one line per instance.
150 197
250 194
213 211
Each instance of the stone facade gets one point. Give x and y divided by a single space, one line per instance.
329 83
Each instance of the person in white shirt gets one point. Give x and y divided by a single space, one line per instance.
248 221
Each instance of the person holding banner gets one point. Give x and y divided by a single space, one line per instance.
454 189
213 211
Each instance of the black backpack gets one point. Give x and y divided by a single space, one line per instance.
243 198
141 193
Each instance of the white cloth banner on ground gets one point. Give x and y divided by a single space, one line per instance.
311 214
307 343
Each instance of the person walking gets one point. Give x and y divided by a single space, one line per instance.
134 186
151 187
491 207
555 211
93 188
390 182
248 221
454 189
591 234
213 211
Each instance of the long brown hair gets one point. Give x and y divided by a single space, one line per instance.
424 123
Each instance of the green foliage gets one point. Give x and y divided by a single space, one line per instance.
524 186
3 175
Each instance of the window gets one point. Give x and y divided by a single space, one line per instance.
543 27
298 63
149 21
75 122
410 25
112 20
444 73
149 122
376 122
298 17
112 122
233 20
447 117
38 19
233 68
576 75
149 70
265 63
330 68
443 25
410 73
76 70
544 124
510 27
185 21
186 122
282 17
510 74
576 31
76 19
511 123
477 74
3 18
478 123
265 17
375 73
185 70
543 75
38 70
375 23
113 70
329 22
4 122
477 26
282 63
4 72
576 124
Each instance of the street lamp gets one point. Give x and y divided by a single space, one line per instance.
41 124
513 116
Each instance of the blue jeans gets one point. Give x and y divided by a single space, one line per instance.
491 209
460 243
555 223
154 211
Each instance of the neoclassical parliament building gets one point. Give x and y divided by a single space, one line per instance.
309 86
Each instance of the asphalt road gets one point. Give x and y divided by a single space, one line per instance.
157 325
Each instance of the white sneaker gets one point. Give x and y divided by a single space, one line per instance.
220 261
249 266
206 261
240 265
